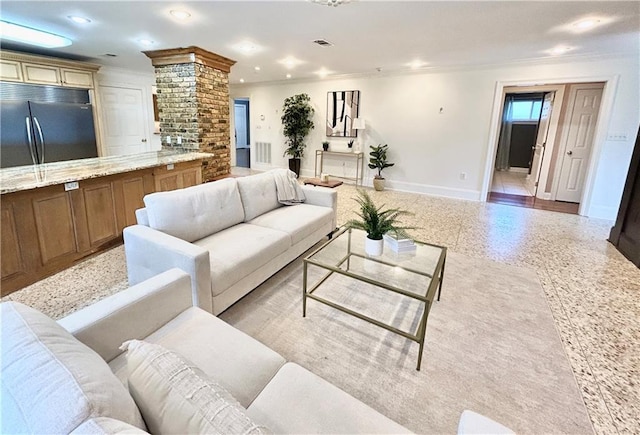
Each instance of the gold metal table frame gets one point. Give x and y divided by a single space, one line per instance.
435 282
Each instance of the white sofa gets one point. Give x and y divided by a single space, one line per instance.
54 382
229 235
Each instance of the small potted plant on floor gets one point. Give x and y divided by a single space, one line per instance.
376 222
325 145
297 123
378 160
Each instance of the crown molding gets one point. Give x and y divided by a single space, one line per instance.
192 54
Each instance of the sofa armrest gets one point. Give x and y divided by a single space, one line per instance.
132 313
142 217
150 252
322 196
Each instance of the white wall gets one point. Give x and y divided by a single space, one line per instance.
431 149
117 77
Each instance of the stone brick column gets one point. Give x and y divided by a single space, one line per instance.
193 103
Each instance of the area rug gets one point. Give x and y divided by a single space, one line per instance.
491 347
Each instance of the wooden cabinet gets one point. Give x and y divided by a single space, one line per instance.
10 71
76 78
35 73
27 68
48 229
177 176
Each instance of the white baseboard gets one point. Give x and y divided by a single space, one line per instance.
447 192
602 212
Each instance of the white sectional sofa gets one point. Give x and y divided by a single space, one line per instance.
229 235
55 382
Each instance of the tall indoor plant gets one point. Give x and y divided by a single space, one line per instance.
378 160
376 222
296 119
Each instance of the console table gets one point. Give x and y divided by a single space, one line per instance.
359 159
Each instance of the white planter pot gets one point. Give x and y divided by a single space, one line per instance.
373 247
378 184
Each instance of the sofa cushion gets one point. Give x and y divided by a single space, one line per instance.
240 250
258 193
51 382
237 361
297 401
298 221
106 426
195 212
175 396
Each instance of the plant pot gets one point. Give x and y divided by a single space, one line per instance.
325 147
294 165
378 184
373 247
350 149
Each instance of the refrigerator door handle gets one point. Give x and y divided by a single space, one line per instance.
41 153
31 150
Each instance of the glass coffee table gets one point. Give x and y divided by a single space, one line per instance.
416 275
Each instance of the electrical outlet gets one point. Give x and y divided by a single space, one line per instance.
463 175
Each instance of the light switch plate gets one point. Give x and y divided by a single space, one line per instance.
169 166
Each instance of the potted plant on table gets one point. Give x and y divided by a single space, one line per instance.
296 119
325 145
378 160
376 222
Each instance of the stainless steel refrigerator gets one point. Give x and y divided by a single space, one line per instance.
42 132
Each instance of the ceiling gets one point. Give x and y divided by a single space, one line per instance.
368 37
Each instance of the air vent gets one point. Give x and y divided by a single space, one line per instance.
323 42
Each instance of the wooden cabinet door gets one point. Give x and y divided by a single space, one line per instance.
42 74
10 71
54 226
76 78
12 261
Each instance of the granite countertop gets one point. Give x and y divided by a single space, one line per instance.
48 174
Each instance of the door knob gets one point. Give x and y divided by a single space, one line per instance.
144 140
569 153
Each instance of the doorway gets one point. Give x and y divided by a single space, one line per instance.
544 145
242 133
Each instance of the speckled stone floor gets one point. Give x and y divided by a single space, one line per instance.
592 290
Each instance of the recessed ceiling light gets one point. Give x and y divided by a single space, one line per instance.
415 64
586 23
323 72
180 14
560 50
290 62
288 76
27 35
241 80
79 20
247 48
146 42
256 68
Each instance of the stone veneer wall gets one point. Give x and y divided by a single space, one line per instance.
193 102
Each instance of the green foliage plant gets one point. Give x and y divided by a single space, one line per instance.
297 123
378 159
375 221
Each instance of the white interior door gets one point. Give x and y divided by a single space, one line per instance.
584 103
541 142
125 130
241 125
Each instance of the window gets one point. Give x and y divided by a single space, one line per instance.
526 110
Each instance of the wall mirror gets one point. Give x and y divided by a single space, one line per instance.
342 109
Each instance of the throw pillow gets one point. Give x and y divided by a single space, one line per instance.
174 396
51 382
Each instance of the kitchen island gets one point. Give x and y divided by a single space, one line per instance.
58 213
